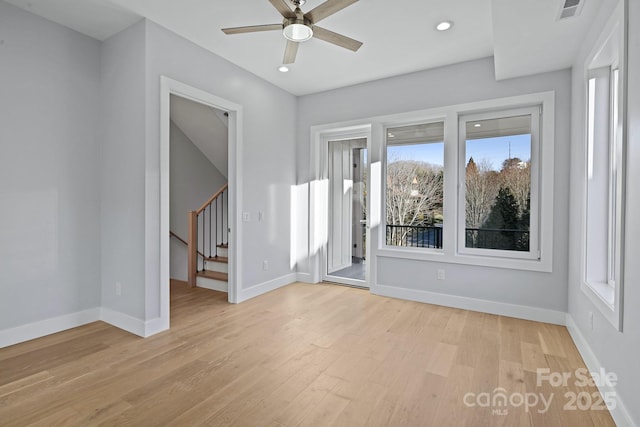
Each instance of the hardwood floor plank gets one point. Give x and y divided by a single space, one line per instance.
361 403
301 355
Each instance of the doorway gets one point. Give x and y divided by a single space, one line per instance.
198 170
346 249
171 87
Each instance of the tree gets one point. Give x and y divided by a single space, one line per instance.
522 244
498 232
481 191
516 176
414 195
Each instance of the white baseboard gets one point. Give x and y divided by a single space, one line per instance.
620 414
304 278
154 326
123 321
48 326
263 288
473 304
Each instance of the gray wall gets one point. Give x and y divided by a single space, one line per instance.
193 180
617 352
133 62
123 177
268 159
49 169
460 83
80 165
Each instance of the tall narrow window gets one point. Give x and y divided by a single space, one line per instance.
414 190
604 172
602 119
499 197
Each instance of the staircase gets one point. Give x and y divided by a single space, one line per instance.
208 261
215 274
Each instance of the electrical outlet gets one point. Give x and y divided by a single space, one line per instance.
591 320
265 265
246 216
118 289
440 274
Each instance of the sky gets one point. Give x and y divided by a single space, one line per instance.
495 150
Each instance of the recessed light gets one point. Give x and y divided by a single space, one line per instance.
390 135
477 125
444 25
283 69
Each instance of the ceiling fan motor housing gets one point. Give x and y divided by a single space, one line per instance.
300 33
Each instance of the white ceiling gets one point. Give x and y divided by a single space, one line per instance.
206 127
399 37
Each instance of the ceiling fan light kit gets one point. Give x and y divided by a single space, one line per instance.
298 27
297 32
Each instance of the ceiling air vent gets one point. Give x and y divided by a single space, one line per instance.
570 8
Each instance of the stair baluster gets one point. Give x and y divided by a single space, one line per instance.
215 241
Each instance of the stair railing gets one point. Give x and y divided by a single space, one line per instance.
208 231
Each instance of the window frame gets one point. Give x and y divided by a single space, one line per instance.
451 205
534 228
608 52
385 160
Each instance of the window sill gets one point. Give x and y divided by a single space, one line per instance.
603 297
438 255
603 291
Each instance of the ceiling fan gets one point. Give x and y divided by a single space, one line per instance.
298 27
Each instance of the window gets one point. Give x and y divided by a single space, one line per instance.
604 142
415 185
498 215
463 184
600 235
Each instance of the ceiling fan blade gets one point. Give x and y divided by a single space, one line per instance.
335 38
252 29
326 9
283 8
290 52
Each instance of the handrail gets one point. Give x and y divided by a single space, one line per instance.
215 196
184 242
172 234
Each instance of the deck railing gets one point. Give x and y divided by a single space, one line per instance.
418 236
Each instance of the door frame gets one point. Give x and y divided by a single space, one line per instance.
319 201
170 87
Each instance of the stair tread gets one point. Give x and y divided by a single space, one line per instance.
215 275
223 246
222 259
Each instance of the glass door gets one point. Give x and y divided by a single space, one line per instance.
346 254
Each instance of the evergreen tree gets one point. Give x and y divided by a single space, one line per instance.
524 222
503 217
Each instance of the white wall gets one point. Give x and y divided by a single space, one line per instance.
49 170
133 62
123 176
456 84
616 352
193 180
268 159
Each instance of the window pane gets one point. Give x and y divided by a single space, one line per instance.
415 175
613 173
598 202
498 183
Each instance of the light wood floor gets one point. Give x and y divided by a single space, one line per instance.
316 355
